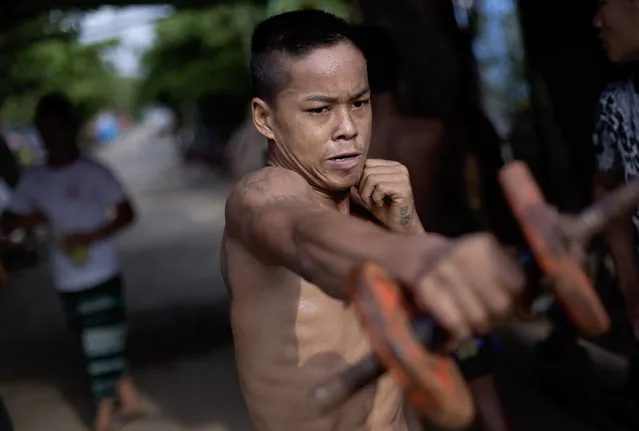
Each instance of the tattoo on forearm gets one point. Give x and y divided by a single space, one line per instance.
404 216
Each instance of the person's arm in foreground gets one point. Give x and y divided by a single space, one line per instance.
274 214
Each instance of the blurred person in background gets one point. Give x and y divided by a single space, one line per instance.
246 149
616 141
413 141
9 170
85 206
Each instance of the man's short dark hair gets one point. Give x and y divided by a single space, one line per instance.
382 58
290 35
56 104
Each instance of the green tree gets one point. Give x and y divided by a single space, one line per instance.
337 7
205 52
199 52
45 55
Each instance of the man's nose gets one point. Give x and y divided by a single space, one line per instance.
346 128
596 21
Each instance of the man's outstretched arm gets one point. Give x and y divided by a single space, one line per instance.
275 215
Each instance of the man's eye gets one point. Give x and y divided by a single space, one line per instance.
322 110
361 103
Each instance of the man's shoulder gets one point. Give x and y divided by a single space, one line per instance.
616 95
93 164
262 185
269 188
617 87
97 170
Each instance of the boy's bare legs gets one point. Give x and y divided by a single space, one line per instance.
104 415
490 410
128 398
111 412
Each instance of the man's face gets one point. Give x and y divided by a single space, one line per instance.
618 24
56 132
321 122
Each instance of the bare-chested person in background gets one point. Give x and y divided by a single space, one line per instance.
412 141
246 150
292 236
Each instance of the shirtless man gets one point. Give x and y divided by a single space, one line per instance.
412 141
292 236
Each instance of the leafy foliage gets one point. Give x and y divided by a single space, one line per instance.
45 55
199 54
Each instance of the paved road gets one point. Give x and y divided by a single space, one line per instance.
181 344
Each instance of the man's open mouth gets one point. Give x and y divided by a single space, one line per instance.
344 156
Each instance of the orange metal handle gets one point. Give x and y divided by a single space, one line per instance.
540 225
432 381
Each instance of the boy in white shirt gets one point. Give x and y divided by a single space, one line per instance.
85 206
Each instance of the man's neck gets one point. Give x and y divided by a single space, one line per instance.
340 200
62 160
384 107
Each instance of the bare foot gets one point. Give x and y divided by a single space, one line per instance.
104 416
129 399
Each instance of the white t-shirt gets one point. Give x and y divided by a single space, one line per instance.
75 199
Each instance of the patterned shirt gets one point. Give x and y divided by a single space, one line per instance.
616 135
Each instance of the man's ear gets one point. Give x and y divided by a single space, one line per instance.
262 118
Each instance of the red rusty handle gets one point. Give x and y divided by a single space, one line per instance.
431 381
541 227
